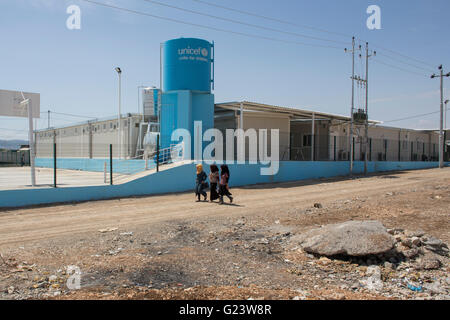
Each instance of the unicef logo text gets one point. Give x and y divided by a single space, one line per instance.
194 52
191 54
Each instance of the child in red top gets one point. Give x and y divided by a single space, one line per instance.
223 187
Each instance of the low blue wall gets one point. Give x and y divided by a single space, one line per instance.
302 170
182 178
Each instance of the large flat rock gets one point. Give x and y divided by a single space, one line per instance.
353 238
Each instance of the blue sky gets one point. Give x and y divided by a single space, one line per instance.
73 70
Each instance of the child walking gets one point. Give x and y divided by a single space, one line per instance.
200 183
214 180
223 187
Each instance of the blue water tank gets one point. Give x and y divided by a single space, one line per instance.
187 65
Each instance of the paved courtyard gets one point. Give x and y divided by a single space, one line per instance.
20 178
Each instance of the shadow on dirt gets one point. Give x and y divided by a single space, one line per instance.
393 256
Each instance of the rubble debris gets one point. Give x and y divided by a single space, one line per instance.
373 282
353 238
207 253
415 233
427 264
436 246
108 229
126 233
414 287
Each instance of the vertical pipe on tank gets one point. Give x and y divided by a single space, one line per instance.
213 51
160 65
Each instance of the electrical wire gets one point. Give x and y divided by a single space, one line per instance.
244 23
401 61
208 27
413 117
260 36
68 114
361 83
405 56
311 28
271 19
254 35
61 119
398 68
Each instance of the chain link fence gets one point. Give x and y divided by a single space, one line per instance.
80 164
64 164
339 148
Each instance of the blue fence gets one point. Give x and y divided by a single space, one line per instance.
95 165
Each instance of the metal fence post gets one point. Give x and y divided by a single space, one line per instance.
334 148
105 170
385 150
110 165
353 153
157 153
54 165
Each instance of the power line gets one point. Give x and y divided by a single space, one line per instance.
271 19
68 114
244 23
399 68
308 27
401 61
405 56
72 115
208 27
241 33
413 117
62 119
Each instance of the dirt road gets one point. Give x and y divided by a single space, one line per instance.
171 240
18 226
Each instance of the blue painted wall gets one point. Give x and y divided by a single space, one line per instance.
182 178
169 114
179 111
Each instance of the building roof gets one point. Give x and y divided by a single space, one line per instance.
293 112
92 121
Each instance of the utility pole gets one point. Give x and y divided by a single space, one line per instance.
350 138
445 115
441 125
366 140
119 136
48 119
445 124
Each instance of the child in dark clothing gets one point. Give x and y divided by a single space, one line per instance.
214 180
200 183
223 186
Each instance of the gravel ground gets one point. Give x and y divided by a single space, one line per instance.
170 247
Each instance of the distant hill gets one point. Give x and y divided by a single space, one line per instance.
12 144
